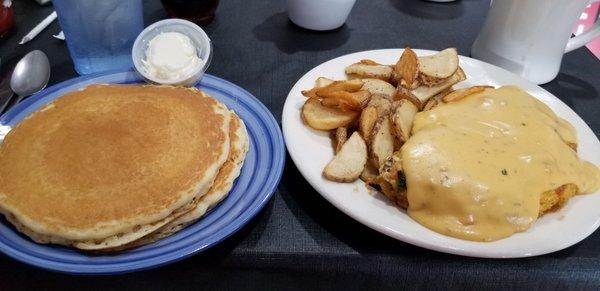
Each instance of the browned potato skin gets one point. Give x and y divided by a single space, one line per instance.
407 68
361 70
382 141
415 84
404 93
369 62
340 136
342 100
431 103
431 81
402 119
347 101
460 94
363 97
322 92
347 86
366 122
424 93
437 99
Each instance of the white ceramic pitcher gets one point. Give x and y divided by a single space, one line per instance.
529 37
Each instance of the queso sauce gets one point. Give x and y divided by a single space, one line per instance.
475 168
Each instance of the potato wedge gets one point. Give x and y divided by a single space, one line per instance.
347 101
339 136
321 117
460 94
423 93
349 162
445 92
322 82
407 68
431 103
382 103
369 62
343 101
405 94
312 93
429 81
369 71
366 122
415 84
402 118
319 83
441 65
437 99
382 141
348 86
377 86
363 97
332 86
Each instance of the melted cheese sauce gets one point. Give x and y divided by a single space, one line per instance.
475 168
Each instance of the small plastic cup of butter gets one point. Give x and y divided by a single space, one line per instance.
172 52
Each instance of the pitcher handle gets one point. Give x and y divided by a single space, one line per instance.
582 39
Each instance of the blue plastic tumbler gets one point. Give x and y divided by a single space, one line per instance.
100 33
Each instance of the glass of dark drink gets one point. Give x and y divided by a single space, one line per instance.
201 12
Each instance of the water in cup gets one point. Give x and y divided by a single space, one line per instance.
100 34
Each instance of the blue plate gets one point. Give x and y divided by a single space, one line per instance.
258 179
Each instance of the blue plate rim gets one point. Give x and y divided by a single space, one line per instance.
272 181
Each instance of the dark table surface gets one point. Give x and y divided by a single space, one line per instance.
299 240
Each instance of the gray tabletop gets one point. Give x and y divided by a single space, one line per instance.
299 240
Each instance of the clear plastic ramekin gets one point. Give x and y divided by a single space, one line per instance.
199 38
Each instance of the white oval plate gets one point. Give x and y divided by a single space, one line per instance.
311 150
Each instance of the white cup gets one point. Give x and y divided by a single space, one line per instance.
319 14
529 37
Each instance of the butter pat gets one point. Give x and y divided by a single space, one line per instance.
171 56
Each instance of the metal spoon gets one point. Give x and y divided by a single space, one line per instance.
31 75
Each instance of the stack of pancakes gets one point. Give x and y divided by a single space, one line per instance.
111 167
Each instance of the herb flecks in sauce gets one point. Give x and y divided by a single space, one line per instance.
478 141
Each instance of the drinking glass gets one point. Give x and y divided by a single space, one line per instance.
100 33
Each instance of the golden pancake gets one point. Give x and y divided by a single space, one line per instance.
111 160
190 213
223 183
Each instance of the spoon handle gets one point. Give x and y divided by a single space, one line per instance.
5 98
16 99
